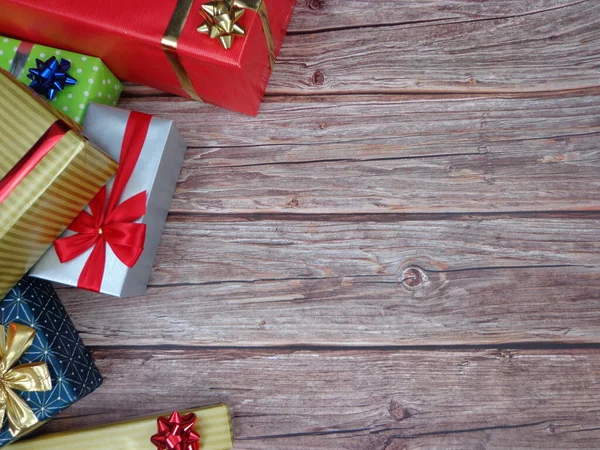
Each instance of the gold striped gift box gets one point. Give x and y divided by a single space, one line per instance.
41 206
213 425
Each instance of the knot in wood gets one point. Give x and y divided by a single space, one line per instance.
315 4
397 411
318 78
413 277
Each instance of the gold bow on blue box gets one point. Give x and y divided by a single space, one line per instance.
31 377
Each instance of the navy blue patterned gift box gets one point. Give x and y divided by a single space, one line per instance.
34 303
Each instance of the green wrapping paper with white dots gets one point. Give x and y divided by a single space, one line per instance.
95 82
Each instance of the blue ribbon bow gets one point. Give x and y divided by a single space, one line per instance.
50 77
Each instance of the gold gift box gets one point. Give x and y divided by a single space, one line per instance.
213 425
45 201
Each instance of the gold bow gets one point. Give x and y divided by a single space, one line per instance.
220 21
170 40
221 17
33 377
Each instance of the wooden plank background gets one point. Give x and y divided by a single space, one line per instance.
402 251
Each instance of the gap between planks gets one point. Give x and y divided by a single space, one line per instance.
184 216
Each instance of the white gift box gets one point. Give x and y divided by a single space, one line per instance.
155 172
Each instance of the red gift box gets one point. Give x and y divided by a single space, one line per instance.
132 38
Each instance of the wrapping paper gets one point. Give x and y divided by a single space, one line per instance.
95 82
128 37
48 174
34 303
155 173
213 425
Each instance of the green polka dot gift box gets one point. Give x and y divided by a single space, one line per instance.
70 81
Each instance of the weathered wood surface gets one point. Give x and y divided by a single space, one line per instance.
467 307
441 46
285 283
369 155
419 193
357 400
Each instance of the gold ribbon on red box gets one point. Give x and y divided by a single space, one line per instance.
221 19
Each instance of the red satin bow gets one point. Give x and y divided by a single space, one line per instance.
112 224
177 433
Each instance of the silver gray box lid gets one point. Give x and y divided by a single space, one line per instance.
156 172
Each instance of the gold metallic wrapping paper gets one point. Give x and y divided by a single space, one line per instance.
213 425
41 207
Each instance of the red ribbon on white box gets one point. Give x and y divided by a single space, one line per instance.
113 223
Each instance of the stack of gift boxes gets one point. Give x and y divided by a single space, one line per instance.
85 187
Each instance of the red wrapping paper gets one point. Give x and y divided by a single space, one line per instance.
126 35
